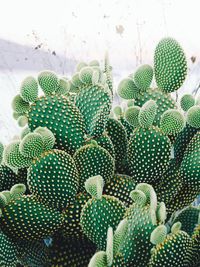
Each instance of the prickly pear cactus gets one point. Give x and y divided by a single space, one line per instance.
100 212
103 180
178 241
143 216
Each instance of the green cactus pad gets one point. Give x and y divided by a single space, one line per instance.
184 197
26 218
99 260
190 167
143 77
17 190
22 121
137 245
169 184
127 89
48 81
170 65
94 104
131 116
188 218
130 103
93 160
164 102
61 117
8 178
8 250
128 128
147 114
32 253
120 187
187 101
148 154
85 75
172 122
3 201
117 111
31 145
56 171
19 105
47 137
194 257
29 89
159 234
17 115
182 141
161 256
118 136
193 116
13 158
69 252
63 87
97 215
72 216
105 142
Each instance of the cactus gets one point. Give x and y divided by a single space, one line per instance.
188 218
94 104
193 116
190 167
194 257
93 160
120 187
164 102
127 89
112 256
8 255
18 220
29 89
185 196
100 212
55 170
118 136
32 253
148 159
72 215
170 65
182 141
178 241
74 252
8 178
87 185
147 114
187 101
131 116
170 183
172 122
105 142
69 130
143 77
48 81
142 220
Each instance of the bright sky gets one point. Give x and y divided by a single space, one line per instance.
86 28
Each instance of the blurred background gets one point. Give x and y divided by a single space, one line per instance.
55 35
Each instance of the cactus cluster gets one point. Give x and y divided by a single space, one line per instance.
88 184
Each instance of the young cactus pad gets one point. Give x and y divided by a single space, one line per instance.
100 212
